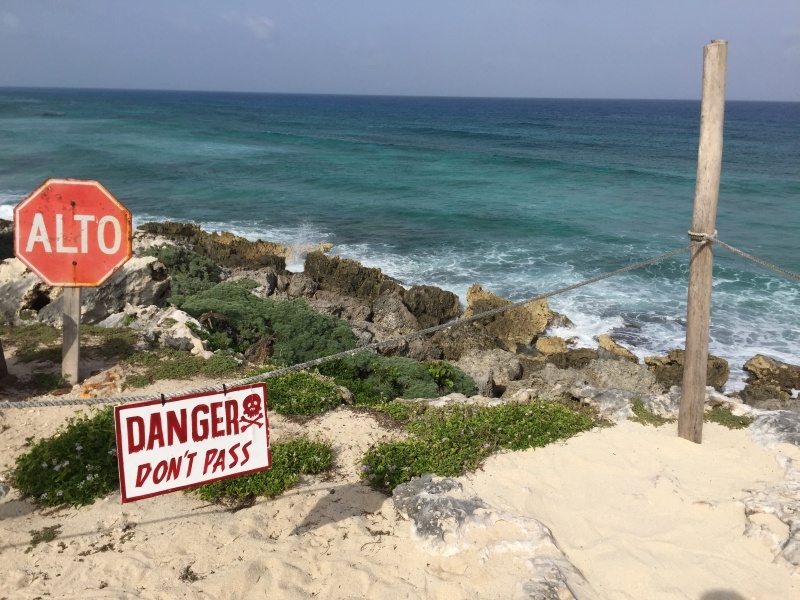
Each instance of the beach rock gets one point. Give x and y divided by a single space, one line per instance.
389 311
498 366
337 305
608 348
301 286
776 427
574 358
225 249
142 281
668 369
427 503
770 380
516 327
349 277
455 341
22 293
431 306
161 327
551 345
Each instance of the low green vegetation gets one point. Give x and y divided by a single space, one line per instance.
75 466
452 440
37 342
644 416
174 364
42 536
724 416
302 393
241 319
376 379
290 460
191 273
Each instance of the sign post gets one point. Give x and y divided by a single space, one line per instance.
72 233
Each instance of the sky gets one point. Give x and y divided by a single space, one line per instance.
499 48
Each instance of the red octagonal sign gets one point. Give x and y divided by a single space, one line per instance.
72 233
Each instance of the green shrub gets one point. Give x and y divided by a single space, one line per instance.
191 273
75 466
300 333
452 440
301 393
174 364
376 379
290 460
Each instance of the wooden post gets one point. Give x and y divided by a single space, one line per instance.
70 355
698 310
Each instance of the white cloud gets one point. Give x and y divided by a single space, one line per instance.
9 21
262 28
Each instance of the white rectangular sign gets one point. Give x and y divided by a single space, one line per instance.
191 440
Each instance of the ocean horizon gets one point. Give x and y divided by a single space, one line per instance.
522 196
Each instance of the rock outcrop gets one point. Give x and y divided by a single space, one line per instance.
608 348
497 368
668 369
770 383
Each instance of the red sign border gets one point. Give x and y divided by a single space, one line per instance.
109 195
121 469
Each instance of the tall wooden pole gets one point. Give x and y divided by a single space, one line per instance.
698 311
70 354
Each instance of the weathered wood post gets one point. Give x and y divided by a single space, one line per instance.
698 311
71 350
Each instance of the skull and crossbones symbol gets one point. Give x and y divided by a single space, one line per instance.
252 412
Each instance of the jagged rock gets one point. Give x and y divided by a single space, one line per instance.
608 348
391 314
551 345
669 369
161 327
266 278
575 358
142 281
349 277
486 385
609 373
301 286
776 427
455 341
431 305
21 290
769 380
499 366
225 249
426 502
516 327
337 305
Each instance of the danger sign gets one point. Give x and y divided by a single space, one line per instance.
191 440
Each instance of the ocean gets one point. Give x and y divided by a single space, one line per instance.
520 195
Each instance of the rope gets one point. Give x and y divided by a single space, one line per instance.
367 348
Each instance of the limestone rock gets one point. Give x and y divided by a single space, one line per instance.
349 277
431 305
301 286
499 366
769 379
608 348
574 358
337 305
225 249
142 281
668 369
161 327
22 292
518 326
455 341
391 314
551 345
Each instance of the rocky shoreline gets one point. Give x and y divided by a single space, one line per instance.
505 353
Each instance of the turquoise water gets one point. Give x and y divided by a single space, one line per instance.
522 196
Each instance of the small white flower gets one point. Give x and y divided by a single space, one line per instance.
44 465
59 493
56 468
44 495
78 447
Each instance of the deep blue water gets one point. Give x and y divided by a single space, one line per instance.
522 196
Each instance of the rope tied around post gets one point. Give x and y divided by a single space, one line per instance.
702 238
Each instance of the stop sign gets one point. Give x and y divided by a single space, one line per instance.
72 233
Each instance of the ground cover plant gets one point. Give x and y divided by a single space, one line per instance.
79 464
174 364
374 379
290 460
191 273
302 393
452 440
724 416
300 334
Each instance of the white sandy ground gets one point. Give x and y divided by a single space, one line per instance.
641 513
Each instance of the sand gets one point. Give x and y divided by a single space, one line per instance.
639 512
